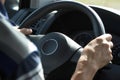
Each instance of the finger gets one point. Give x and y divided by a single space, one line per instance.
26 31
111 44
108 37
110 55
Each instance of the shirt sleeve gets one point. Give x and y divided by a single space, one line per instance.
3 11
19 57
30 68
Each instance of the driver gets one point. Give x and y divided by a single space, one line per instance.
27 65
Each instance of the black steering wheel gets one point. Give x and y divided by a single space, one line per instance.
59 51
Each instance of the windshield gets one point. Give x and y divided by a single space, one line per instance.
107 3
12 5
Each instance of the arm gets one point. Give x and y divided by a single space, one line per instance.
20 58
94 56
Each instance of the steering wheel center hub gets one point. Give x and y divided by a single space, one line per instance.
49 47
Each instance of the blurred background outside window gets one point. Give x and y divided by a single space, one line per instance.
107 3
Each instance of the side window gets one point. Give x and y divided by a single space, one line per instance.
107 3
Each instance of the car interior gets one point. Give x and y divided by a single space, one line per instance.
61 28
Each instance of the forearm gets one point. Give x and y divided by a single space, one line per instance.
84 71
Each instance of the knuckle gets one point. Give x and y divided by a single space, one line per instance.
106 45
99 40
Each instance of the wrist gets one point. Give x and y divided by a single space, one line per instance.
84 70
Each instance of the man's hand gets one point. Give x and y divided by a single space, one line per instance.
26 31
96 54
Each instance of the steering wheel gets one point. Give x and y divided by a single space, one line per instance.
55 46
98 26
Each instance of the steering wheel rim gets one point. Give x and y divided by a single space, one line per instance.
98 26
